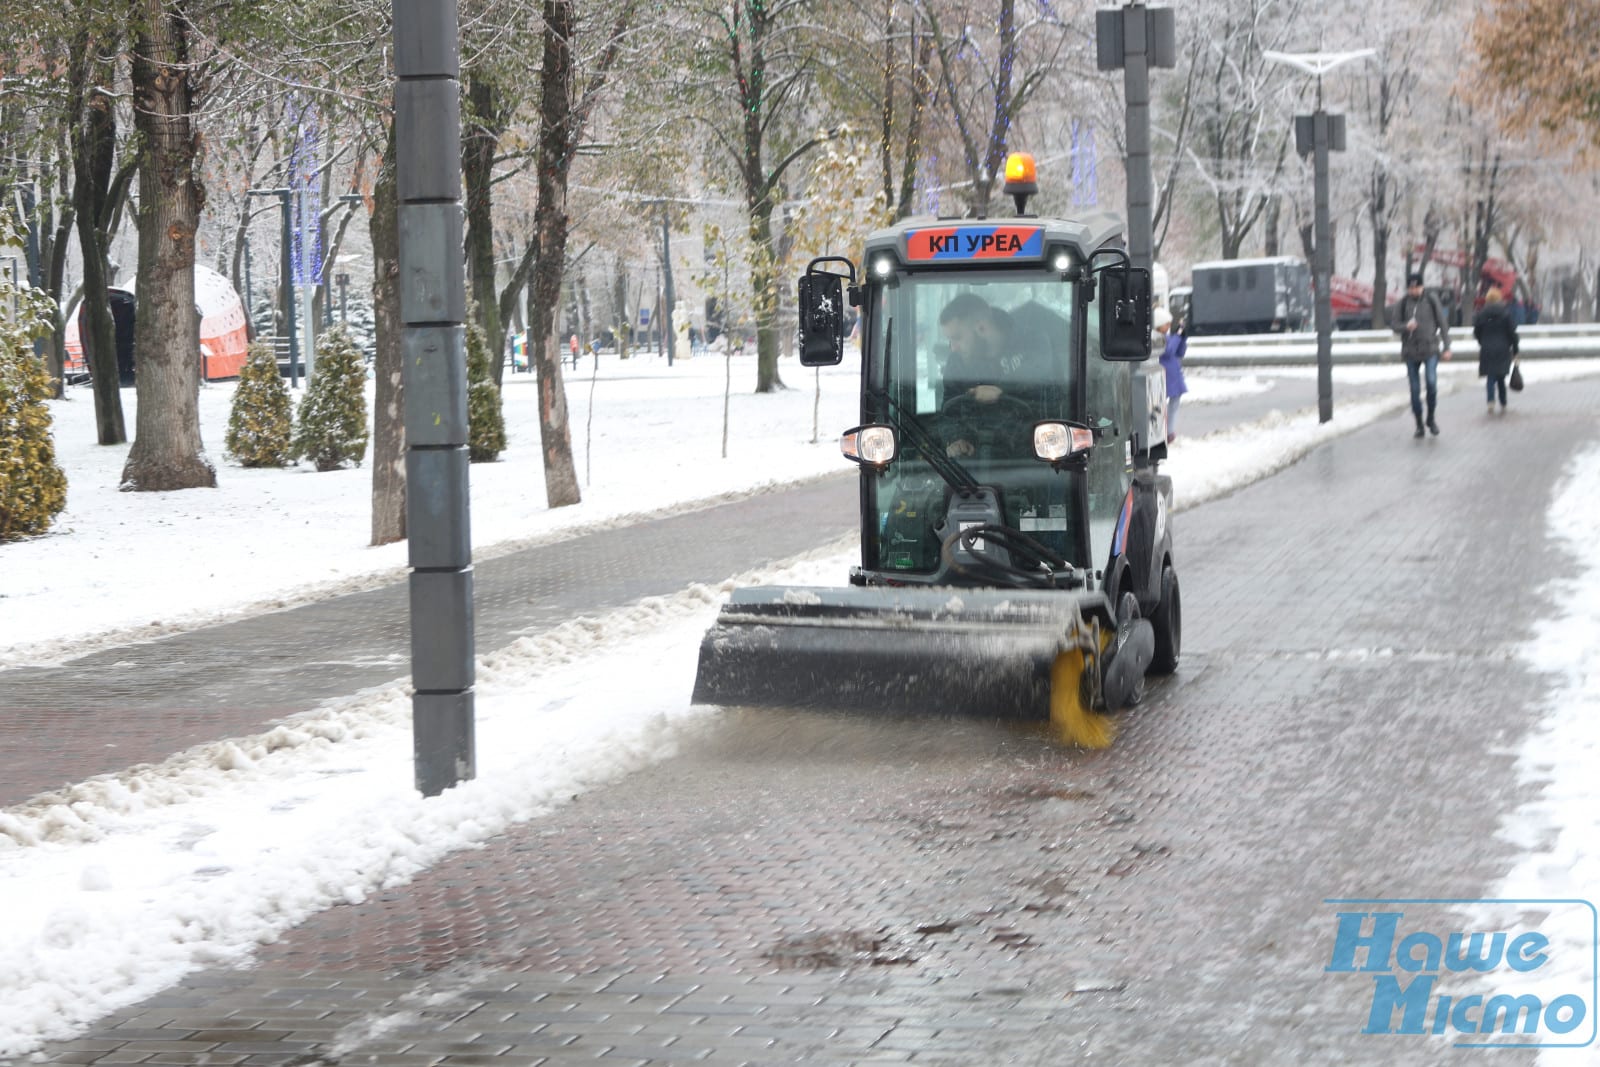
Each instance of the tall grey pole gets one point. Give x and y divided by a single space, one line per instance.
1137 38
249 305
433 305
666 267
286 212
286 269
1322 268
1136 93
1316 135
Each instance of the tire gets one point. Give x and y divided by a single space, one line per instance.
1128 608
1168 622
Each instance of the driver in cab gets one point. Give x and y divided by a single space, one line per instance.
994 355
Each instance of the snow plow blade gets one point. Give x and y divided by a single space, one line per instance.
947 651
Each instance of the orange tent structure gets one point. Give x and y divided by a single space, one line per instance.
224 341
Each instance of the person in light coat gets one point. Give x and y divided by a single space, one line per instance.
1174 347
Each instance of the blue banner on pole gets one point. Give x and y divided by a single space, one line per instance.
306 185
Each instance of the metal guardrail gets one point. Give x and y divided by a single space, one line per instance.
1554 341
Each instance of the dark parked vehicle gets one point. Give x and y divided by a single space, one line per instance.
1271 295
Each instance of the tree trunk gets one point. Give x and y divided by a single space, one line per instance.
95 143
557 137
764 296
167 451
55 280
478 146
389 424
1380 278
585 325
619 303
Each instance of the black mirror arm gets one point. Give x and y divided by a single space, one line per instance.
811 268
1122 260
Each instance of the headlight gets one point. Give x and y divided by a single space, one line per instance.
872 445
883 266
1058 440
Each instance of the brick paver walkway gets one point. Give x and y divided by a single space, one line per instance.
805 888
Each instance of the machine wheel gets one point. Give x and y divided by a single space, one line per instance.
1168 622
1072 720
1128 609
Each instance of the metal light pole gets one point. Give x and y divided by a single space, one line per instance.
249 296
1316 135
1136 38
348 199
667 336
27 209
433 309
286 208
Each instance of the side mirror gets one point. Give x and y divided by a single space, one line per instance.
821 307
1125 314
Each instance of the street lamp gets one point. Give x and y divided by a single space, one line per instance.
433 307
1316 135
287 211
350 199
1135 38
249 307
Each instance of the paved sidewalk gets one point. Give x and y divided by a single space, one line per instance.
1292 394
140 703
800 888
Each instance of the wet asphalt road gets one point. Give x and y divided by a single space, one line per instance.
820 889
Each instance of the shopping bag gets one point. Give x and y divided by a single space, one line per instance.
1516 377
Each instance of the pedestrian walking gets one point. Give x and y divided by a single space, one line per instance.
572 345
1174 347
1496 331
1424 340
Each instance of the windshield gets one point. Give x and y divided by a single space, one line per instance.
975 360
953 332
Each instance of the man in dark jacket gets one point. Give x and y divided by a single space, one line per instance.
1424 338
1496 331
996 354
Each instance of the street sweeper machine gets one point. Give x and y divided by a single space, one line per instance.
1016 550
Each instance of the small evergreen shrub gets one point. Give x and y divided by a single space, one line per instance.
486 422
332 427
261 421
33 488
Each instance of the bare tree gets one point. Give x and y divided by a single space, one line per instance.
986 80
561 128
389 427
167 452
96 192
1241 139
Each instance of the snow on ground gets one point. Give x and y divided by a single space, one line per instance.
646 438
1557 832
116 887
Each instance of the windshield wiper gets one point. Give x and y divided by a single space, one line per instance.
929 447
917 435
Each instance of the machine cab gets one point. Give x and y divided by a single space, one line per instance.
997 391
